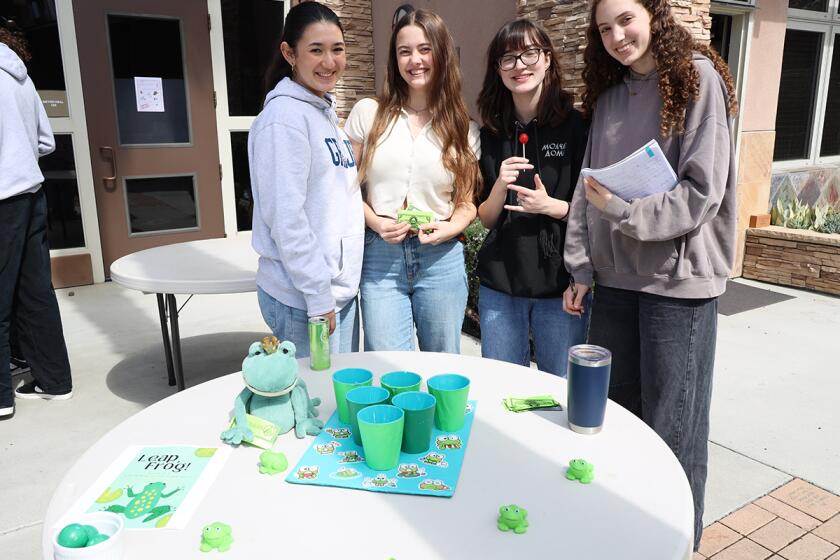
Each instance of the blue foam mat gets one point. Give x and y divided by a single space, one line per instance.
334 459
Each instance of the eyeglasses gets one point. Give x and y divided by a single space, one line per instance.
528 57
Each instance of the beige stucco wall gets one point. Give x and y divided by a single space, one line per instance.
472 24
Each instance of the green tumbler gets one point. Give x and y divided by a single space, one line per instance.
451 391
401 382
343 381
419 409
382 431
362 397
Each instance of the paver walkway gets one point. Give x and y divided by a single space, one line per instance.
797 521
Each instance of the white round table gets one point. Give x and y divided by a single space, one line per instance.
639 506
207 266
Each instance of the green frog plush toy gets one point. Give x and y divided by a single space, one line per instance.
274 392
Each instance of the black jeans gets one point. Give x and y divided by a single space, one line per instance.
27 298
663 357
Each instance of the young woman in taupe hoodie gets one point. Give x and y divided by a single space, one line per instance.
661 261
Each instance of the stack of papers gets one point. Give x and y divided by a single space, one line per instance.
643 173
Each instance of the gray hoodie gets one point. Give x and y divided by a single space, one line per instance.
680 243
25 133
308 225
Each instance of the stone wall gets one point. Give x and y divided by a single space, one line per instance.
566 21
798 258
359 79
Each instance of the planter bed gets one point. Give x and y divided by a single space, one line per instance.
793 257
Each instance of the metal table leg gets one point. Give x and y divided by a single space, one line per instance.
167 347
178 365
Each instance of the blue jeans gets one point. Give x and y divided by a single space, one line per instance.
663 356
507 321
409 284
290 323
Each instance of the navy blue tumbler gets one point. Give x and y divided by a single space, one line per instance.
588 387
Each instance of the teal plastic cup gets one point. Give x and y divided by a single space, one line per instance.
359 398
401 382
343 381
451 391
381 426
419 410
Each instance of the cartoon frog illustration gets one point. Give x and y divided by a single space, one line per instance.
216 535
410 471
346 472
308 473
350 457
273 463
513 518
380 481
581 470
450 441
339 433
468 409
436 485
435 460
327 448
274 392
145 502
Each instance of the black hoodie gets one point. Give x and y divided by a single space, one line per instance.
523 253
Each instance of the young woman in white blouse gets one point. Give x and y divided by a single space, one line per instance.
417 148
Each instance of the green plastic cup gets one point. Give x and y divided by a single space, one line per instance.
419 410
382 431
343 381
451 391
359 398
401 382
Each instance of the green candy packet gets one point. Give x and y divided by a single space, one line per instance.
414 217
265 432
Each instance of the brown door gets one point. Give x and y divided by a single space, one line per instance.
148 89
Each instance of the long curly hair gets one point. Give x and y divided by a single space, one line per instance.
495 102
450 119
14 39
672 47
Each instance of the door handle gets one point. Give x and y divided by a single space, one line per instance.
110 183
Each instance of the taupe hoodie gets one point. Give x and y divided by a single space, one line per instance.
680 243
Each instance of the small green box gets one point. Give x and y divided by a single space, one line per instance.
265 432
414 217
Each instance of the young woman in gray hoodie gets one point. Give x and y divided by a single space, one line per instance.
308 226
658 262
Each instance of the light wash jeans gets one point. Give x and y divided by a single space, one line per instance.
409 284
290 323
663 357
507 321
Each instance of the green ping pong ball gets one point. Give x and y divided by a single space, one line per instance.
73 536
91 531
97 539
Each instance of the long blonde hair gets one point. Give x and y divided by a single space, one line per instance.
450 119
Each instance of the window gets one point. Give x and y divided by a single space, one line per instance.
808 111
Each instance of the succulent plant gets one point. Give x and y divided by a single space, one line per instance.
830 222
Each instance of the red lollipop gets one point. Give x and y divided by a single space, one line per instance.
523 139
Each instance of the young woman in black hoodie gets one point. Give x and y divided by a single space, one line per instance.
532 145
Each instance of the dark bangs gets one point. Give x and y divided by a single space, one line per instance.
495 103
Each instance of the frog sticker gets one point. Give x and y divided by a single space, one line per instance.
345 473
350 457
327 448
469 409
338 433
435 460
450 441
410 471
434 485
380 481
307 473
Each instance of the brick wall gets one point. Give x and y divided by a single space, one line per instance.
566 21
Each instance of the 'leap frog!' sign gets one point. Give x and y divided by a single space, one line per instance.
156 487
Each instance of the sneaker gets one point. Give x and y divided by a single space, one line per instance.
31 390
19 366
7 411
